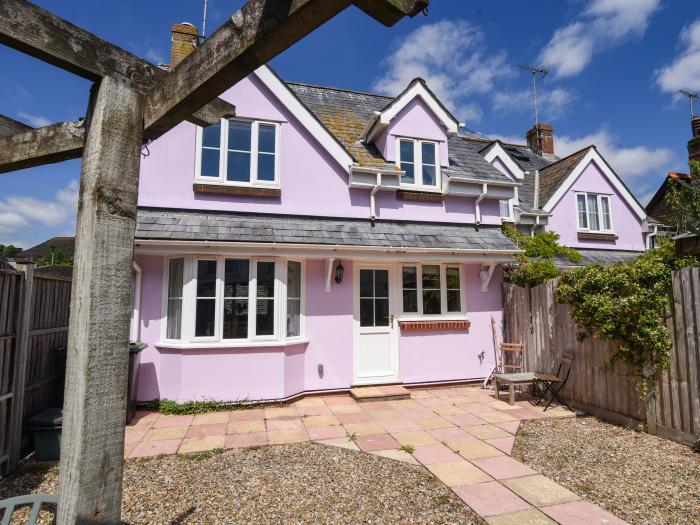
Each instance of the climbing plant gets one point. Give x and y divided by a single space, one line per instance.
535 265
627 303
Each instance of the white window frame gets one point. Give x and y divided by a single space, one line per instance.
407 316
599 197
418 164
189 298
223 156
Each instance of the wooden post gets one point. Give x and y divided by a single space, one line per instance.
20 372
92 450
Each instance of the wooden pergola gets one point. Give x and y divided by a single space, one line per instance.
131 102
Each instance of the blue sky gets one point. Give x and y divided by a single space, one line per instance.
615 64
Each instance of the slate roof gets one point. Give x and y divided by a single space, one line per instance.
553 175
164 224
588 257
345 113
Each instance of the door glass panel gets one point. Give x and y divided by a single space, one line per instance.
374 297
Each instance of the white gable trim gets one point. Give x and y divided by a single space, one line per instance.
381 119
304 116
594 156
498 152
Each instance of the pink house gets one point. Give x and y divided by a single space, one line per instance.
324 238
579 196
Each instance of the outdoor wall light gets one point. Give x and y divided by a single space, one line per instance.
339 270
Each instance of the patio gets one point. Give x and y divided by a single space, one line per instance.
461 434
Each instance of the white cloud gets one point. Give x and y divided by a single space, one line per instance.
632 163
551 104
154 56
602 24
684 71
452 58
23 216
34 120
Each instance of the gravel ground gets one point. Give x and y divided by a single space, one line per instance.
290 484
640 478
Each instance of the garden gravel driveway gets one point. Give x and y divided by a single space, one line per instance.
303 483
640 478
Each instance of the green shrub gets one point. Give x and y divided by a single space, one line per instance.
537 265
627 303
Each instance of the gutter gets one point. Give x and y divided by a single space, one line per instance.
375 189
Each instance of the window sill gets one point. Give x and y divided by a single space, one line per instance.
445 324
223 346
420 195
229 189
596 236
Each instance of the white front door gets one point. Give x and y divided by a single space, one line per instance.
376 345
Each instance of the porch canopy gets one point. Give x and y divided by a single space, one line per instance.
167 230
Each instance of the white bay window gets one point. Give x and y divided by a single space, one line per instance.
431 290
593 212
227 300
239 153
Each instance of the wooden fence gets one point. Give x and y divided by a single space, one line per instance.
532 316
33 339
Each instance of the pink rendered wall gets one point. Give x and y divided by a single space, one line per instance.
277 372
442 356
415 120
311 182
627 225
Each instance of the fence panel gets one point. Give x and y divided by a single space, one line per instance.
10 283
545 327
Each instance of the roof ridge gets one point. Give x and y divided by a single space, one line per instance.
567 157
345 90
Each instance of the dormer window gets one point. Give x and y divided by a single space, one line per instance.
418 159
239 153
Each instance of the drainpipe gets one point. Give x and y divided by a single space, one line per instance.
536 202
477 207
532 228
375 189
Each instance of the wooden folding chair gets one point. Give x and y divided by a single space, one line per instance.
512 357
553 384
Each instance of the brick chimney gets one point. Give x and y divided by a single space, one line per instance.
694 143
183 42
540 139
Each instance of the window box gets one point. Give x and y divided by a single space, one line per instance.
591 236
417 326
226 189
423 196
237 152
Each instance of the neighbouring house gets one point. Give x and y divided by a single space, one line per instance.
63 245
324 238
658 208
578 196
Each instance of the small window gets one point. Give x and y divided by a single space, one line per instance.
293 299
454 292
174 307
431 290
418 159
265 299
505 209
205 312
250 153
593 212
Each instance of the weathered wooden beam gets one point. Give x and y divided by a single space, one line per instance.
40 146
9 126
43 35
255 34
94 412
389 12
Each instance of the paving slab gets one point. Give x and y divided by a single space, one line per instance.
159 434
474 448
317 433
503 467
173 421
581 513
418 438
373 442
504 444
398 455
458 473
252 414
540 491
201 444
251 439
343 442
490 498
523 517
431 454
279 437
487 431
155 448
204 430
211 418
242 427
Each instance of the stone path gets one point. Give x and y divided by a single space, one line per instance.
462 435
